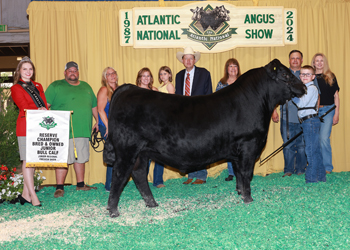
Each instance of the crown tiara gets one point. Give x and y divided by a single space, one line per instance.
26 59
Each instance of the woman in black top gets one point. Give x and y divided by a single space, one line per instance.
329 97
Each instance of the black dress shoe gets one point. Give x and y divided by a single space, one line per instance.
229 178
22 200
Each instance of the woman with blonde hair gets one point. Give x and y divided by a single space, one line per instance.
232 71
109 84
26 94
329 97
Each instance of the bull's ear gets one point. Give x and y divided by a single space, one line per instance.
272 68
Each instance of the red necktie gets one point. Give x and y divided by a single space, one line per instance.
187 87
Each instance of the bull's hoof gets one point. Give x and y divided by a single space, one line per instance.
239 192
113 214
152 204
247 200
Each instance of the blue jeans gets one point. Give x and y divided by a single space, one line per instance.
157 173
230 169
325 133
294 154
201 174
109 167
315 170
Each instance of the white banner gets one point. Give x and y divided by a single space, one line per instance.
208 27
47 138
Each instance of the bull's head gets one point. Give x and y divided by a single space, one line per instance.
197 13
48 120
282 75
222 13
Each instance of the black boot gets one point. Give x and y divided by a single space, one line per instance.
229 178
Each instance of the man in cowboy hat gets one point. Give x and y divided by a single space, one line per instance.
193 81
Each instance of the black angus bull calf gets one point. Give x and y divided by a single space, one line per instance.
189 133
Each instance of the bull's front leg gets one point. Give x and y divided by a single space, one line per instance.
121 172
139 175
246 194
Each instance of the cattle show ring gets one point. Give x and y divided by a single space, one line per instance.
260 206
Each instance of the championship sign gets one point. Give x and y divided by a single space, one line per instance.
47 138
208 27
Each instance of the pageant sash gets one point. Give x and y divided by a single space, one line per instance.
33 93
47 138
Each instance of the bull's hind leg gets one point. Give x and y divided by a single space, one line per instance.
239 185
139 175
121 172
238 174
247 168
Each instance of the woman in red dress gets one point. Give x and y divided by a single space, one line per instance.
26 94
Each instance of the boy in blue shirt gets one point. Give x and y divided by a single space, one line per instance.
310 123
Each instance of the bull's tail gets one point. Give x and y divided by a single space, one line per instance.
109 153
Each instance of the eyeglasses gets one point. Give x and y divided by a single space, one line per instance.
306 74
111 74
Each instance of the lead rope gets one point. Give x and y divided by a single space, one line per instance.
287 142
96 140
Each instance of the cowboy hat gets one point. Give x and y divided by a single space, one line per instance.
188 51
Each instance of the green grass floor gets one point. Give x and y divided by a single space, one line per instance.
286 214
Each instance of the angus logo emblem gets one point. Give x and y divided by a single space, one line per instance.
48 122
210 25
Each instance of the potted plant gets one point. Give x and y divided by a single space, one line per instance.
11 184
